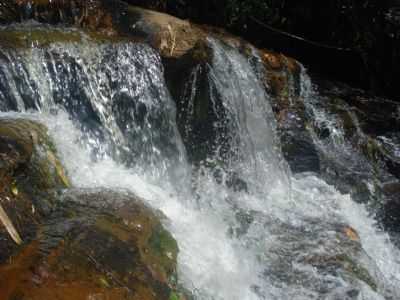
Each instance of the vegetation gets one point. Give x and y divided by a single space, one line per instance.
355 41
359 35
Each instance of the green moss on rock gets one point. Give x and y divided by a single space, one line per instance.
164 248
105 243
357 270
38 166
45 36
24 38
29 167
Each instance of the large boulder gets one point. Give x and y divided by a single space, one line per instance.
173 37
94 245
28 168
326 260
358 143
284 82
27 152
62 243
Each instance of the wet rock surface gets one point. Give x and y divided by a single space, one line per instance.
284 82
28 168
96 15
356 139
100 244
173 37
202 118
94 244
342 133
65 243
304 249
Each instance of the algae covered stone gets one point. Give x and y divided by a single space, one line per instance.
96 242
28 168
63 243
35 164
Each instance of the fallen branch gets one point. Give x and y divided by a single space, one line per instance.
173 39
292 36
9 226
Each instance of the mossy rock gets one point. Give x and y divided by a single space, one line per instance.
29 167
343 263
349 260
36 165
74 244
282 77
95 243
44 36
37 37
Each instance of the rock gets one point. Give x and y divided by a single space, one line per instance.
389 210
173 37
283 81
187 79
28 153
42 36
376 115
197 114
97 15
14 38
62 243
94 245
388 152
28 168
320 257
359 147
342 263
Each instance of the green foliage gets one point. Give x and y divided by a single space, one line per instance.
238 11
173 296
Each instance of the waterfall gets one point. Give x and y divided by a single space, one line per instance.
251 122
118 100
113 120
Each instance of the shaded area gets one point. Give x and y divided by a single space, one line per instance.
353 41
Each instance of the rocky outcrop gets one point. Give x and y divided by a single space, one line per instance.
333 250
28 168
96 15
358 144
94 245
50 233
173 37
64 243
283 76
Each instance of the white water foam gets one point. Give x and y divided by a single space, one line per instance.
213 264
236 244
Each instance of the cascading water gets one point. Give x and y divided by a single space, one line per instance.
251 123
113 121
338 141
128 120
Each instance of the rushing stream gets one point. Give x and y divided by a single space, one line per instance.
113 119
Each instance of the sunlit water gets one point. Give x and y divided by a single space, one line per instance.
112 118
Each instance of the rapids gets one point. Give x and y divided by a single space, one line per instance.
110 112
